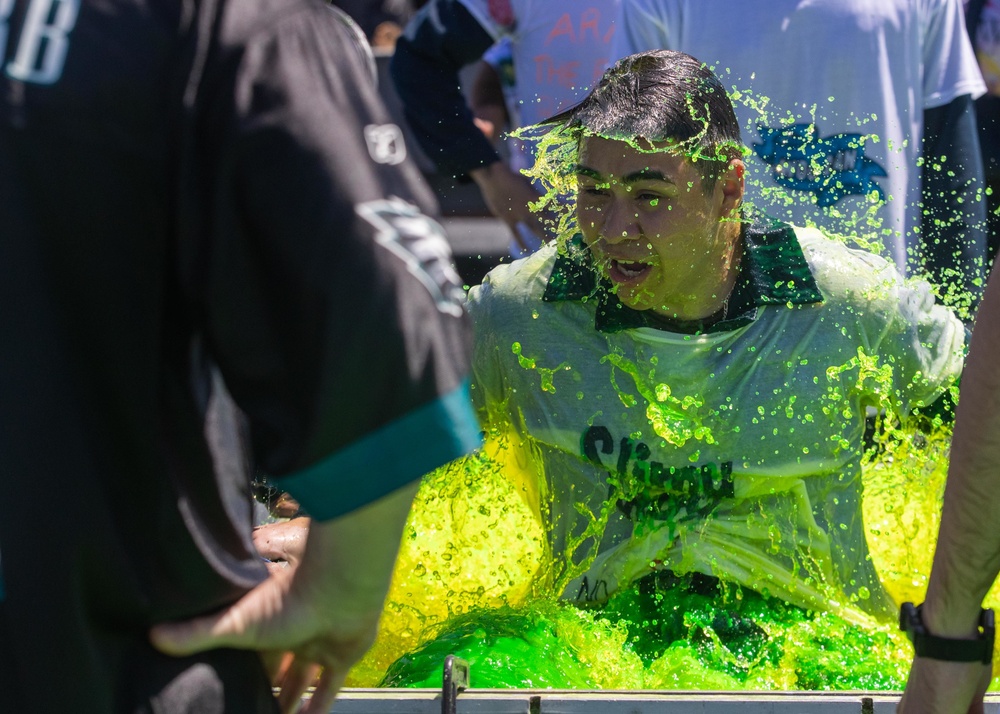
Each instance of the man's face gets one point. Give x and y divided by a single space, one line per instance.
653 230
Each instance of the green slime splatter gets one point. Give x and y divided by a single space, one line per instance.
656 636
669 639
474 577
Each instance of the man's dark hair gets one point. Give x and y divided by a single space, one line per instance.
659 96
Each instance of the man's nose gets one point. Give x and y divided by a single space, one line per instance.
621 222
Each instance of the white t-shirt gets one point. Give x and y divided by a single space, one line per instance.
749 440
830 96
559 50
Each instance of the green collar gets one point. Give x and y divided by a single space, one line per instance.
773 272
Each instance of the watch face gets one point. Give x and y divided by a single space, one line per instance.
910 621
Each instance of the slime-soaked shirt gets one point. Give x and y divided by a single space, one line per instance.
733 452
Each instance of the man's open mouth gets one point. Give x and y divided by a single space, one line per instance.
624 271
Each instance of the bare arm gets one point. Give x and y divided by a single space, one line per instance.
324 612
508 195
967 557
487 101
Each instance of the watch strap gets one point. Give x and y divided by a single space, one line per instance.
948 649
953 650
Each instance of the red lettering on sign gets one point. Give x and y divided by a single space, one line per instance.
548 71
563 27
599 66
589 21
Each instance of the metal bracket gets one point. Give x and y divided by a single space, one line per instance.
456 679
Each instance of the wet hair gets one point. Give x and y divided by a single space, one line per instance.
662 96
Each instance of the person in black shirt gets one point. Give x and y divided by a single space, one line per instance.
215 254
982 19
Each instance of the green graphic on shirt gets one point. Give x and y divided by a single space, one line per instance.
647 490
675 419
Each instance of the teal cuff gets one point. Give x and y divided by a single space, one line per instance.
387 459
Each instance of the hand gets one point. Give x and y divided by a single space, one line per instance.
489 128
936 687
283 543
296 640
313 621
507 195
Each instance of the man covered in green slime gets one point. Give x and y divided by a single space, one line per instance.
684 382
679 386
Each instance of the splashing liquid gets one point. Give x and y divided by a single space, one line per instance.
475 576
470 581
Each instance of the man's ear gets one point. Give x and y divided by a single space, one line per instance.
731 186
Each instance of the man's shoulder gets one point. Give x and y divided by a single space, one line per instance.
520 280
243 21
513 299
840 269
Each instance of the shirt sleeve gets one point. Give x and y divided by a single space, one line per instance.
953 219
441 39
326 295
923 341
949 63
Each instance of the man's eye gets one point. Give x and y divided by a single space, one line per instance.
594 190
648 197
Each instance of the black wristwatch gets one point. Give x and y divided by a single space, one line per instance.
944 648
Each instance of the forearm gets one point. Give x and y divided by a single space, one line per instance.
487 102
967 558
347 565
487 175
319 618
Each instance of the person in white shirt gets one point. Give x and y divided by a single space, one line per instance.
686 381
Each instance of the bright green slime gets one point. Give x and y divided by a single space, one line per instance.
472 550
473 564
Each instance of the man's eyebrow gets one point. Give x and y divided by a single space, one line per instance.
646 175
582 170
634 177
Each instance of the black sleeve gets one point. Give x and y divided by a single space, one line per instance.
441 39
326 294
953 219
